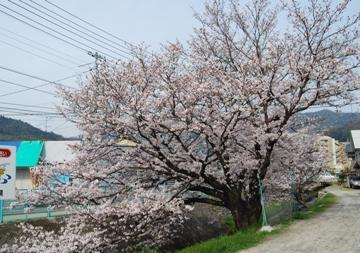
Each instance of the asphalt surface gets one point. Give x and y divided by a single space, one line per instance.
337 230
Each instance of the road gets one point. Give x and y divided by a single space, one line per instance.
337 230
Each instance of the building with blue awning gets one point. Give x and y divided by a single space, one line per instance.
30 153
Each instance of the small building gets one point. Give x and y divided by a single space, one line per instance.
58 151
30 153
353 152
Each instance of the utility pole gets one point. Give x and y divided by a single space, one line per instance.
46 123
98 58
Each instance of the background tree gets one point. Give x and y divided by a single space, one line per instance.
297 162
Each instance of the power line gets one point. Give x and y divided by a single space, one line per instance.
9 113
25 86
75 28
66 29
335 106
36 77
92 25
83 27
36 55
50 51
40 85
27 110
46 32
50 34
43 45
25 105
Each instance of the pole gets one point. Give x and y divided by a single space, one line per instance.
293 194
293 198
49 212
262 201
1 211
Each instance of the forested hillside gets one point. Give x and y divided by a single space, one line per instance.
12 129
335 124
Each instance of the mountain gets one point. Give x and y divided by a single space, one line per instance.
12 129
334 124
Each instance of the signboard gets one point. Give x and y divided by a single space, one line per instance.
7 172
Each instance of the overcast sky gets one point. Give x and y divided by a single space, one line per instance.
136 21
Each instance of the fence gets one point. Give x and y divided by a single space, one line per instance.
22 212
276 211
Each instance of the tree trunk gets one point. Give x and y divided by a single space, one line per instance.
244 213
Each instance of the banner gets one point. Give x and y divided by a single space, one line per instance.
7 172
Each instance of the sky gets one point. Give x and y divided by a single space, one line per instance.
137 21
30 51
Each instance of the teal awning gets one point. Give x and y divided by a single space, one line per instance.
28 153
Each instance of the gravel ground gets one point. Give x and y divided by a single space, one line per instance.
337 230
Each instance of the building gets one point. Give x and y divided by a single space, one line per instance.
353 152
30 153
338 161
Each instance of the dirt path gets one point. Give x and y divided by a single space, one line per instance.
337 230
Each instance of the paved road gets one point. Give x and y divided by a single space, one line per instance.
337 230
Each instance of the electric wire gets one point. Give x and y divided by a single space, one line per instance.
71 26
25 86
58 52
27 110
83 27
68 30
40 85
36 55
53 30
50 51
26 105
40 78
90 24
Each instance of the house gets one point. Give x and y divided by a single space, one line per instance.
353 152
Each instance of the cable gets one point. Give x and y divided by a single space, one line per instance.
36 47
25 86
27 111
43 45
36 55
76 29
24 105
330 106
52 35
83 27
36 77
64 28
60 125
22 114
88 23
41 85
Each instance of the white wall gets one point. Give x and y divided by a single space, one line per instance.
23 179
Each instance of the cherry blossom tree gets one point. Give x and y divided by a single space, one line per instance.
107 211
202 122
297 162
206 117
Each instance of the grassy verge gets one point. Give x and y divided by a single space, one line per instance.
318 206
250 237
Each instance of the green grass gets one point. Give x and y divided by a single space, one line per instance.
318 206
231 243
251 237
